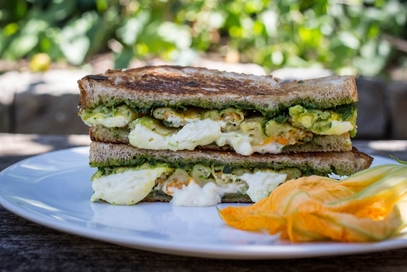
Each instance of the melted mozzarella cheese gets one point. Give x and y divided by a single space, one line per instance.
272 148
202 132
260 186
126 188
262 183
338 127
110 122
143 137
199 133
108 117
242 144
194 195
133 185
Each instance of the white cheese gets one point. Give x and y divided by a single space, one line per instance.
133 185
190 136
240 143
199 133
126 188
110 122
338 128
195 195
202 132
272 148
260 186
143 137
119 117
262 183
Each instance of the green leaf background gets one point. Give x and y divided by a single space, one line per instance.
344 36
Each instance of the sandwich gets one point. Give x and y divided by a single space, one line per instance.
198 137
185 108
127 175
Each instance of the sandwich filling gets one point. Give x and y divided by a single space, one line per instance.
199 185
245 131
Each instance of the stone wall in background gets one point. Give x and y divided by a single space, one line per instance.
47 103
44 103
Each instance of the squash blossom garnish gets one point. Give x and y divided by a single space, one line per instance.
370 205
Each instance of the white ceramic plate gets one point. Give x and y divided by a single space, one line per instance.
53 190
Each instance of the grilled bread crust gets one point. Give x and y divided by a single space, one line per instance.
175 86
323 163
319 143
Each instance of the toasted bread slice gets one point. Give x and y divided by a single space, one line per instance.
109 156
197 89
321 163
176 86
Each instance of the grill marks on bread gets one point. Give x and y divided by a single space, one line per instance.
190 86
175 80
187 80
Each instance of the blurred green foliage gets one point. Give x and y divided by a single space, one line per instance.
344 36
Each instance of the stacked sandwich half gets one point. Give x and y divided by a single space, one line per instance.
198 137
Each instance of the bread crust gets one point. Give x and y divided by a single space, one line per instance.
323 163
177 86
341 163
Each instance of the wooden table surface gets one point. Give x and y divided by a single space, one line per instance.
26 246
